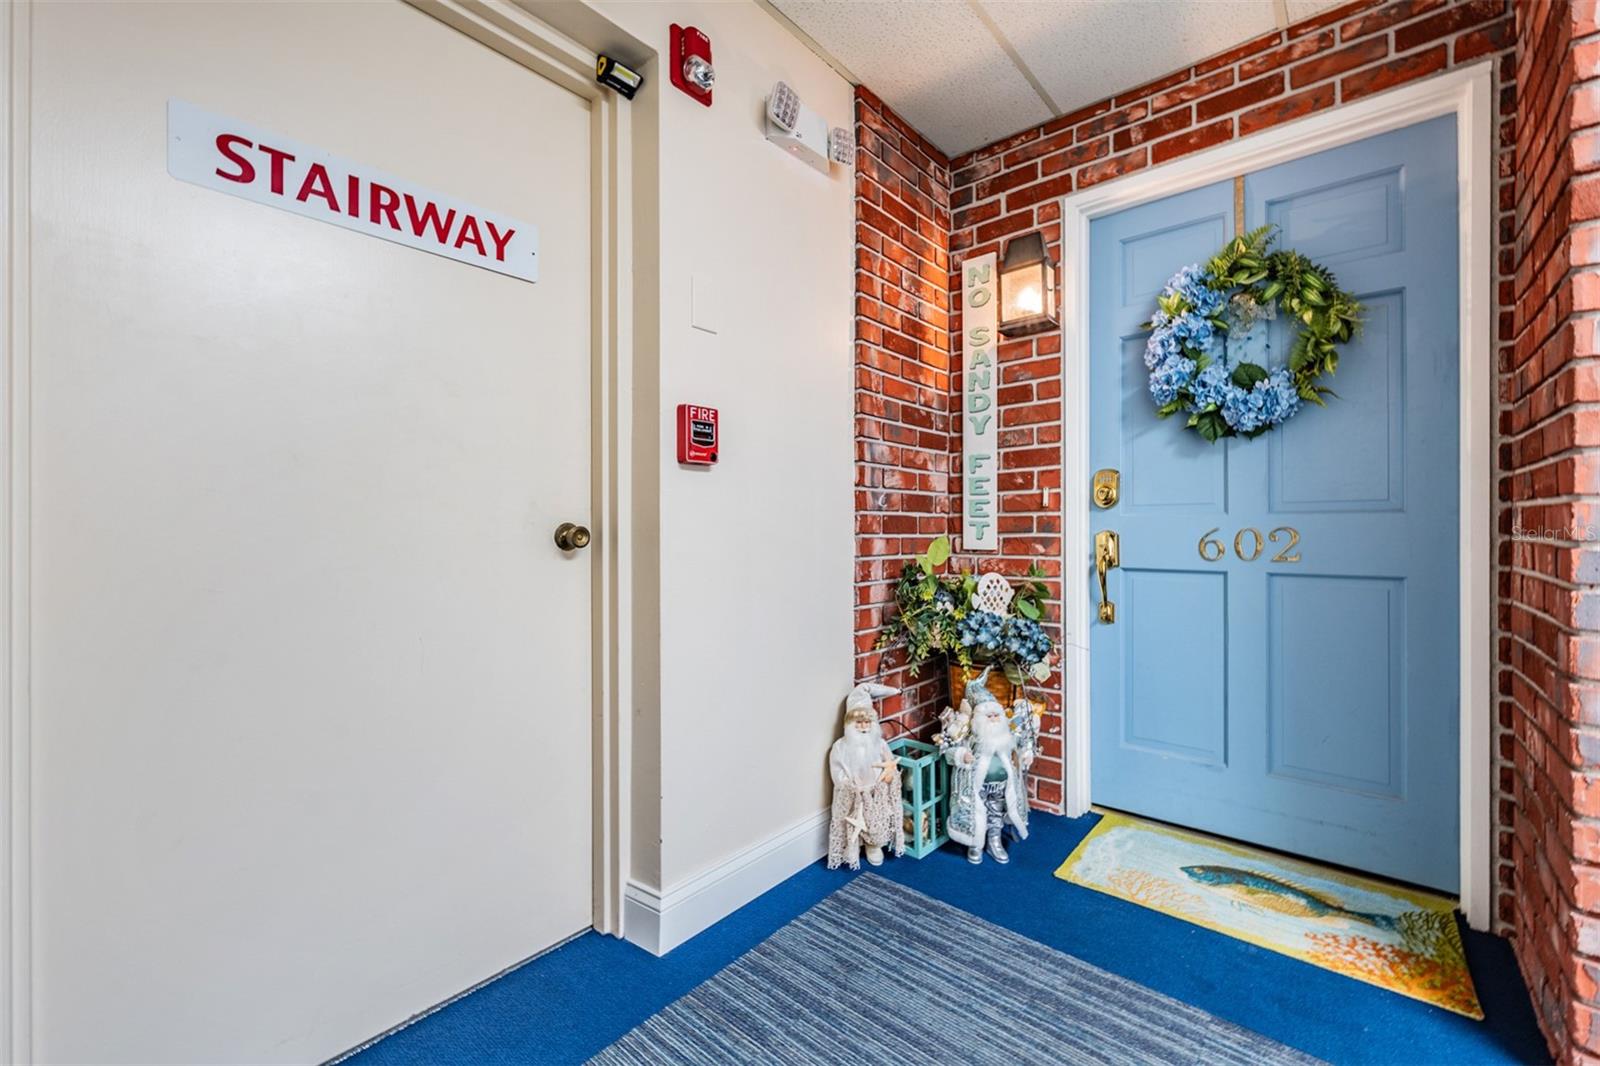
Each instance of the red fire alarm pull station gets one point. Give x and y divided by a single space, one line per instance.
690 65
697 435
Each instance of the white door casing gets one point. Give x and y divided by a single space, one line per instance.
1468 94
275 497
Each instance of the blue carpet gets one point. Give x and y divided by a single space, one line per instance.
866 977
567 1005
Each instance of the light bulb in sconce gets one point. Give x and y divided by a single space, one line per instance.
1027 286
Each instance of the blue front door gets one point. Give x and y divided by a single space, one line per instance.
1282 667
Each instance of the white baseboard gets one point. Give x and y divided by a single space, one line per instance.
659 921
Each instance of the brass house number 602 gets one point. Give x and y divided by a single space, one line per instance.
1248 545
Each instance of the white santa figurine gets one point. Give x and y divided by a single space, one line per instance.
866 785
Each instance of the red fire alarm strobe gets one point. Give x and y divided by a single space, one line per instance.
697 435
690 67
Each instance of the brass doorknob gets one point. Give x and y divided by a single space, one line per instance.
571 537
1107 556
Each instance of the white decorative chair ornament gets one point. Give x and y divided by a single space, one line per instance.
993 594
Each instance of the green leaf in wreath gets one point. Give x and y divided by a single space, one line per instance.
1028 609
1210 425
939 552
1245 375
1014 674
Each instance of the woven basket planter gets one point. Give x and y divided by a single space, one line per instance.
998 683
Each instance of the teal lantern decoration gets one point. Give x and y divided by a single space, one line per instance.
924 779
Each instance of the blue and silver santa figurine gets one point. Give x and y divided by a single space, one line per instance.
989 749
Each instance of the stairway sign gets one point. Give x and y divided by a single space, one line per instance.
246 161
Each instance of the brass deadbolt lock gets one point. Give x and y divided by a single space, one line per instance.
1107 487
571 537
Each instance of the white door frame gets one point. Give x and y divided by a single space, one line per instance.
1467 93
525 40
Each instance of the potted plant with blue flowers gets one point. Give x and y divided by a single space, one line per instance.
975 622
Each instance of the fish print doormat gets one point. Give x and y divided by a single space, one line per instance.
1401 939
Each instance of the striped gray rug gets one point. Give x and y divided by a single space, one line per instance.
880 973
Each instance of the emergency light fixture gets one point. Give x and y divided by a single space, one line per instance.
613 75
804 134
842 146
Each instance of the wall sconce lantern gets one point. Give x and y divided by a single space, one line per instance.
1027 287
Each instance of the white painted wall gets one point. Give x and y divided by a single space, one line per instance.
753 561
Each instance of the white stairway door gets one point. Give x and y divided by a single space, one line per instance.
311 681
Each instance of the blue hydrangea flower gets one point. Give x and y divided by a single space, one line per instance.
1211 387
1245 411
1273 401
1170 378
1194 285
982 630
1282 398
991 636
1162 345
1027 640
1193 331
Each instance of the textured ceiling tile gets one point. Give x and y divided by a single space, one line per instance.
1304 9
1085 50
933 61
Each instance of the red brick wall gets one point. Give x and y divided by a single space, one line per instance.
904 442
907 427
1548 565
902 383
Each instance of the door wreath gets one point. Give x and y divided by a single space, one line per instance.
1196 370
